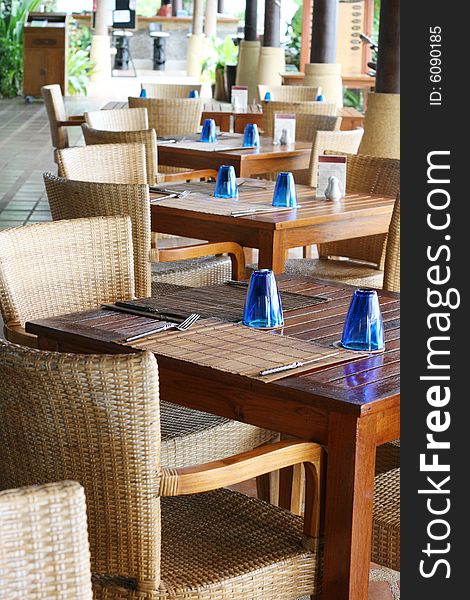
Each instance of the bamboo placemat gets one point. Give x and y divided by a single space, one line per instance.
233 348
206 188
224 302
216 206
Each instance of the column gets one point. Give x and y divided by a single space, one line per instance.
323 71
210 25
196 41
271 60
382 122
100 52
248 56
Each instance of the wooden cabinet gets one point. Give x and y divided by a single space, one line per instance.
44 52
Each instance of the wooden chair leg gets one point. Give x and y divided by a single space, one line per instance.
263 487
307 251
291 484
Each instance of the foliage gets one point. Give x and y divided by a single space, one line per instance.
294 34
78 63
217 54
353 98
13 15
147 8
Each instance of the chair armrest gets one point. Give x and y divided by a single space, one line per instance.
238 468
72 121
16 334
189 175
234 250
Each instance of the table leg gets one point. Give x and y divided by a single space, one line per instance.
272 254
349 503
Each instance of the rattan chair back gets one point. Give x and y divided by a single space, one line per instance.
108 163
306 126
95 420
288 93
334 141
122 119
71 199
61 267
270 108
392 252
170 90
366 175
171 116
55 109
145 136
44 550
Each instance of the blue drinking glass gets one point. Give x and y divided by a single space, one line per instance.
208 133
363 327
284 190
143 93
193 94
320 98
263 308
226 183
267 96
251 136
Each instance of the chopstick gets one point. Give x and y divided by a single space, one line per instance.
295 365
142 313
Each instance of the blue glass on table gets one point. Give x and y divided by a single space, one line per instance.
251 136
193 94
267 96
284 190
263 308
320 98
208 133
226 183
363 327
143 93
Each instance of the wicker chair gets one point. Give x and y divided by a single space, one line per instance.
153 534
124 119
367 175
386 520
58 120
147 137
170 90
70 199
79 265
116 163
288 93
270 108
44 551
171 116
392 253
307 126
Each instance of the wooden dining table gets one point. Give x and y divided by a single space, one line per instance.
247 162
350 408
314 221
227 118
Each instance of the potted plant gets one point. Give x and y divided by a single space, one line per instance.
219 66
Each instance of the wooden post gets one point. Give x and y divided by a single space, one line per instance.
100 18
388 59
272 24
324 31
251 18
198 17
100 50
210 26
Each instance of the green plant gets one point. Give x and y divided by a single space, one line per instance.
13 15
294 33
79 65
217 54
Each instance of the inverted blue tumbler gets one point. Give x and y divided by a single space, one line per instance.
193 94
208 133
363 327
267 96
226 183
251 136
284 190
320 98
263 309
143 93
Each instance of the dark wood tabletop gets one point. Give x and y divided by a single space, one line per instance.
314 221
350 407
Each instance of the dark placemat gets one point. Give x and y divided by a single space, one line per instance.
224 302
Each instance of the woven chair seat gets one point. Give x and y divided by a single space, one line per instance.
223 545
191 437
386 520
343 271
196 272
388 457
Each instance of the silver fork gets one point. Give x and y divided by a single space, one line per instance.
183 326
